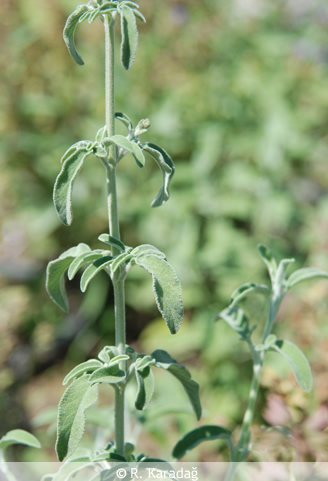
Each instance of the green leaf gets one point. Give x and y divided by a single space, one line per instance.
107 353
237 319
64 183
166 287
165 361
165 163
78 397
145 249
70 469
93 270
297 362
125 120
143 362
305 274
129 34
130 146
246 289
84 367
269 260
145 380
69 31
79 261
19 436
55 282
112 241
119 260
197 436
139 16
108 5
107 375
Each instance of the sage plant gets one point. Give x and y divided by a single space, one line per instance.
117 364
234 315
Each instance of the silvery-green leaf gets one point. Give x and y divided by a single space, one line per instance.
112 241
79 261
101 134
143 362
145 249
145 380
85 16
165 163
78 397
165 361
129 32
305 274
93 270
269 341
139 16
297 362
246 289
55 282
130 146
269 260
93 16
282 269
84 367
107 353
117 359
197 436
108 5
64 183
70 469
166 287
125 120
131 4
19 436
237 319
69 31
107 375
119 260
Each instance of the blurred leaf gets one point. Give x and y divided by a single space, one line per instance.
19 436
246 289
197 436
305 274
269 260
145 380
297 362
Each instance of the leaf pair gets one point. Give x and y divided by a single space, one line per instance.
145 379
83 393
166 286
128 12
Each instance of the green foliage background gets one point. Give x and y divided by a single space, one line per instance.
237 93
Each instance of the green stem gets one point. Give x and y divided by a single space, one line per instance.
258 358
114 228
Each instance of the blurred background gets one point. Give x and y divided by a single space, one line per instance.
237 92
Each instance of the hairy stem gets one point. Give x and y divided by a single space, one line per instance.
114 229
258 358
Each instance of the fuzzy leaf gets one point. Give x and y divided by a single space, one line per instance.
107 375
165 163
237 319
139 16
69 31
197 436
19 436
165 361
305 274
125 120
70 469
145 380
130 146
145 249
297 362
269 260
119 260
78 397
79 261
129 34
55 282
246 289
64 183
166 287
84 367
112 241
93 270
